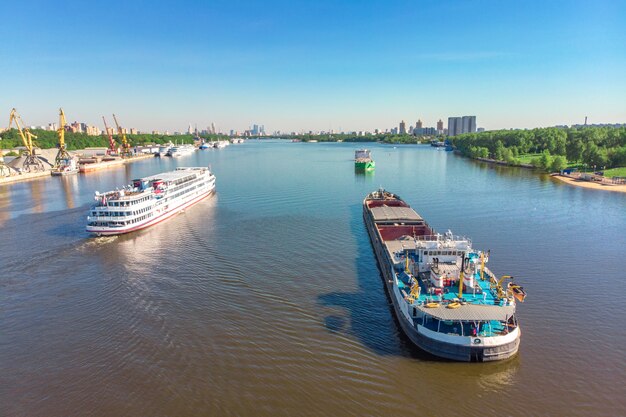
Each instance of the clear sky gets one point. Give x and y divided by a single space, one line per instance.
314 65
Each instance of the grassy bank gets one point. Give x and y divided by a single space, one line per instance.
615 172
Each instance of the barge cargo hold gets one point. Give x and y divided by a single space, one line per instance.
445 299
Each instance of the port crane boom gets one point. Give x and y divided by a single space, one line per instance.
112 145
31 162
125 145
62 155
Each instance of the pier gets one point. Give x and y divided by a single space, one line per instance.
84 168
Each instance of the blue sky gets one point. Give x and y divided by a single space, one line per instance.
351 65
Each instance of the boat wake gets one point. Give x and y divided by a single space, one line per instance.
96 242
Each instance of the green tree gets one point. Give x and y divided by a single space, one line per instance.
575 149
545 160
559 163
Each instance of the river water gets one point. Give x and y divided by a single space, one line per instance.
266 299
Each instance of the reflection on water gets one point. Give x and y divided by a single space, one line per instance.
36 191
69 183
362 175
266 298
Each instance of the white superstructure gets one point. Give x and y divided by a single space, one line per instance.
149 200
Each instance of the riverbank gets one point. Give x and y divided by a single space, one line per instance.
574 181
495 161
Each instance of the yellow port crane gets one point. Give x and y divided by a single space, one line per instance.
62 155
126 152
31 162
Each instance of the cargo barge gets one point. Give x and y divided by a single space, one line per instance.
363 160
445 299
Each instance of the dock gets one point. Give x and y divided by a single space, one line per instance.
83 168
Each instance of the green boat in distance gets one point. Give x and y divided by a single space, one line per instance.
363 160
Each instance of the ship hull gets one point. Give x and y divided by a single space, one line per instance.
441 349
365 166
64 173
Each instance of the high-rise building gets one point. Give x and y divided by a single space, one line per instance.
402 127
459 125
440 126
189 130
212 131
419 124
454 126
469 124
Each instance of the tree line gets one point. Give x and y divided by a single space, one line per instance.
602 147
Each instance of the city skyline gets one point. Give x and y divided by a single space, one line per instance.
320 67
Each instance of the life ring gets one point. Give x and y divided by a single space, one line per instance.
432 305
454 305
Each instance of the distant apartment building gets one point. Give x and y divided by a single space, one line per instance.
134 131
419 124
76 127
93 131
402 127
469 124
440 127
460 125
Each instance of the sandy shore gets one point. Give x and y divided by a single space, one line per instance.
589 184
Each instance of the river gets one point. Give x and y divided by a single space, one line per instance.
265 299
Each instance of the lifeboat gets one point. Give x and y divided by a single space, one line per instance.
518 292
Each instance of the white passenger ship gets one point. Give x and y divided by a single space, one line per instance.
149 200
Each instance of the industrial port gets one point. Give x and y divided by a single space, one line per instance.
33 162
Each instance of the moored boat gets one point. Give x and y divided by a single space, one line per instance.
446 300
147 201
66 166
363 160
